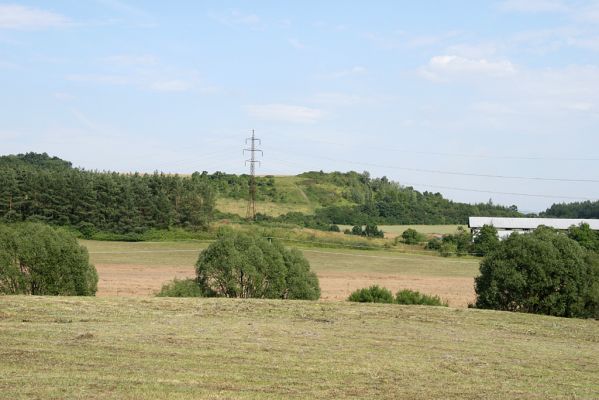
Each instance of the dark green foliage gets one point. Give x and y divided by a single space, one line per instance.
459 243
357 230
485 241
381 201
36 187
586 237
373 294
412 236
434 244
408 296
246 265
39 260
584 209
544 272
334 228
371 230
180 288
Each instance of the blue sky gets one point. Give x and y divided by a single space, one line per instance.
426 93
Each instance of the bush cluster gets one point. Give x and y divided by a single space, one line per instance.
544 272
180 288
246 265
377 294
370 230
39 260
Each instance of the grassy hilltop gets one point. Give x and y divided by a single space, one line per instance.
131 348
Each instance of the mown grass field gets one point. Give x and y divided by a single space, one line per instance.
239 207
157 348
392 231
141 268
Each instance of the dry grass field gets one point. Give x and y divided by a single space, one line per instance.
392 231
134 269
158 348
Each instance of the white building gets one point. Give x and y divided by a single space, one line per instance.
505 226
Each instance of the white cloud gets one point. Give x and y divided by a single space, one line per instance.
337 99
445 67
174 85
101 78
131 59
235 17
533 6
356 70
295 43
580 106
284 112
14 16
63 96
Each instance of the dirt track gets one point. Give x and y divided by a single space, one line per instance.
142 280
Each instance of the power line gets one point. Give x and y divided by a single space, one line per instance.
464 155
547 196
472 174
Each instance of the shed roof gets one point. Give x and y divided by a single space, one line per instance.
530 223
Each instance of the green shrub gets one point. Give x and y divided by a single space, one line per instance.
246 265
543 272
39 260
357 230
407 296
447 249
334 228
486 240
434 244
180 288
373 294
412 236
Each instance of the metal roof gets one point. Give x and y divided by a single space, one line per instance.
530 223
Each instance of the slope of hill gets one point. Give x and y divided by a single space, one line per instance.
132 348
37 186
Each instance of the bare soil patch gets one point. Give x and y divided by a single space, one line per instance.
142 280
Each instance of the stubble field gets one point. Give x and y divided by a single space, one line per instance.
150 348
140 269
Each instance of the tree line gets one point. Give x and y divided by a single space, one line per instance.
36 187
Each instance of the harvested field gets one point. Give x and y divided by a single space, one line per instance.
140 269
159 348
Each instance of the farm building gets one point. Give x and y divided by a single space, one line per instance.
505 226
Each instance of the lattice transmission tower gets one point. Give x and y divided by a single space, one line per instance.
251 211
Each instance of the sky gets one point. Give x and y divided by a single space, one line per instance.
476 100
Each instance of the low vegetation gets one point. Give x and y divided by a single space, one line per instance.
173 348
543 272
250 266
36 259
408 296
373 294
377 294
180 288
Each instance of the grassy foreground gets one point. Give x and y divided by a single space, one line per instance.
253 349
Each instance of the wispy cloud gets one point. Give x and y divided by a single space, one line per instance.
131 59
297 44
356 70
14 16
446 67
235 17
533 6
285 113
173 85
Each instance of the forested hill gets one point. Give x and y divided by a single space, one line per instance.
39 187
585 209
42 188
